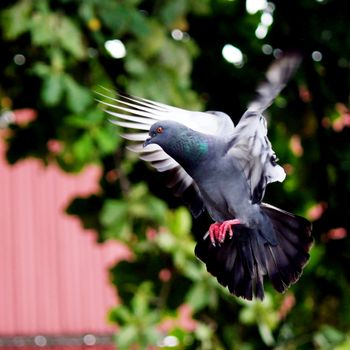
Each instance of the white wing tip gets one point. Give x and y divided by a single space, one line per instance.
280 173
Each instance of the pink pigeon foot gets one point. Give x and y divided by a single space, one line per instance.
214 231
217 231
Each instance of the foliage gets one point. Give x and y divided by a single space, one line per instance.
54 58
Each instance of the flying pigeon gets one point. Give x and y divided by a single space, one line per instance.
224 169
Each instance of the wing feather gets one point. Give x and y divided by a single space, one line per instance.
250 145
154 156
135 113
247 143
134 118
135 137
138 148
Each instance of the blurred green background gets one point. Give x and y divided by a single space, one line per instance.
205 55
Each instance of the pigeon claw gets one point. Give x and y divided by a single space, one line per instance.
218 230
214 232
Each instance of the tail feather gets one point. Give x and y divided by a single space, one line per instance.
280 269
292 251
242 262
242 282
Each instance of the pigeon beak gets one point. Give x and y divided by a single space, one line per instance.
147 142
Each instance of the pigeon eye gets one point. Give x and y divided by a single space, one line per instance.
159 130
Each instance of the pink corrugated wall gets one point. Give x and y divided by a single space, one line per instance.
53 275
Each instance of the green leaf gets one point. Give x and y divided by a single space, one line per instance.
78 97
263 314
138 25
317 254
175 55
205 334
77 121
135 65
180 222
330 336
83 148
172 10
192 267
70 37
41 69
114 211
127 336
16 19
120 230
43 28
166 242
113 16
266 333
138 191
198 296
344 345
120 314
106 140
52 89
89 120
152 44
140 301
144 206
52 29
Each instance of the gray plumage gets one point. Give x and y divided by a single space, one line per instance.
225 169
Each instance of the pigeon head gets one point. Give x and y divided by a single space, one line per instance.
163 133
181 143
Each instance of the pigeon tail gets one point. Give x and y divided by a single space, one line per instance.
242 262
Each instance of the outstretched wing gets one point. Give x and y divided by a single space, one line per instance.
252 149
250 145
137 115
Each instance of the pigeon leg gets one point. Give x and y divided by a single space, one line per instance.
214 231
226 227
